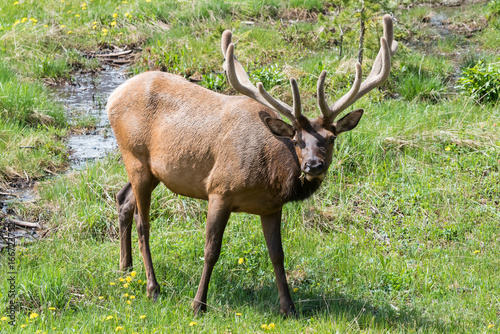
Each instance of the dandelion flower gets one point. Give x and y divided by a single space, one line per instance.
125 295
132 297
115 15
112 283
129 302
491 326
447 148
148 0
4 318
124 2
24 19
16 3
33 20
100 298
264 326
109 317
476 251
121 279
16 23
77 15
142 317
132 273
295 289
23 325
128 278
33 315
69 31
241 260
238 314
118 328
52 308
125 285
139 281
192 323
272 326
62 26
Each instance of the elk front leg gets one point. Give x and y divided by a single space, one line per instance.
217 217
126 204
272 233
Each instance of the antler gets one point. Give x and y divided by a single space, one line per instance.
240 81
379 73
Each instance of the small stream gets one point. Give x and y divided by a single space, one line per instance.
85 98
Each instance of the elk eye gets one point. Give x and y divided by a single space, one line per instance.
295 143
331 139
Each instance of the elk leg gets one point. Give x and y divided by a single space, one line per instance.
144 185
272 233
125 201
217 217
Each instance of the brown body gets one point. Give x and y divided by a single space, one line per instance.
234 151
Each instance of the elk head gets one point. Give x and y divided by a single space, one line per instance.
313 138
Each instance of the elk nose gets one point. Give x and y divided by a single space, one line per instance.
314 167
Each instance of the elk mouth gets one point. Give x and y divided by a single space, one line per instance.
311 176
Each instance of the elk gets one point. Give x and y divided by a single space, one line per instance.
234 151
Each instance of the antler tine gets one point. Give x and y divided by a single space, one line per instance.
238 78
382 65
339 105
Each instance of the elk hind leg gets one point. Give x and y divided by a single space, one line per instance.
125 201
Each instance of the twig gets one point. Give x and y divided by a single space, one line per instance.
23 223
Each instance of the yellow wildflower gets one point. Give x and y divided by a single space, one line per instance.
83 4
241 260
476 251
23 325
124 2
295 289
112 283
33 315
148 0
16 23
139 281
129 302
118 328
128 278
132 297
192 323
100 298
264 326
142 316
238 314
125 285
109 317
4 319
115 15
272 326
62 26
134 272
77 15
69 31
33 20
52 308
16 3
491 326
121 279
125 295
24 19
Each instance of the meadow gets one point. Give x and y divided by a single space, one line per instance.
402 237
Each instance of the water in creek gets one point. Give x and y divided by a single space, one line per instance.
85 97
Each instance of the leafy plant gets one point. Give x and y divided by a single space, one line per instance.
269 76
481 82
215 82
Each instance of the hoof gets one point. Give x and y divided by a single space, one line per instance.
289 311
153 291
198 307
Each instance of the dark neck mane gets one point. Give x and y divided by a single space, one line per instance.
301 189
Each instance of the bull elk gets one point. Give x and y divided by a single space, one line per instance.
234 151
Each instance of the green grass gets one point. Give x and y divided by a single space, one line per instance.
402 236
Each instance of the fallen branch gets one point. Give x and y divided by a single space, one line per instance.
23 223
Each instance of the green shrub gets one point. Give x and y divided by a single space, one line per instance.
481 82
269 76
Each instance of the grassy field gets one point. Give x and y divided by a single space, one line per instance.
402 237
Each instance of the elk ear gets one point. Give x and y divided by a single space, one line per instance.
348 122
280 128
